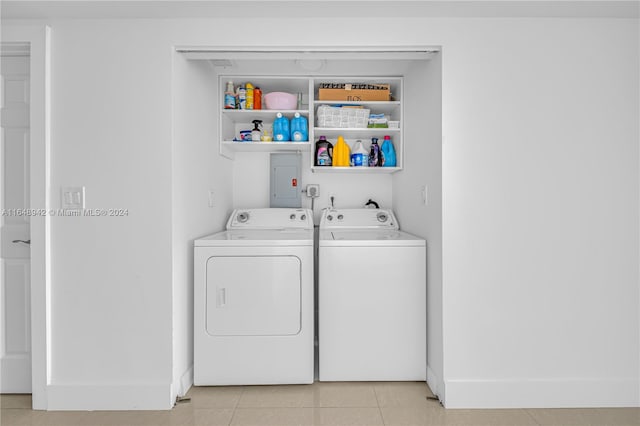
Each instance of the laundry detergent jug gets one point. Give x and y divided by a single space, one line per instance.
341 153
299 128
324 152
359 156
281 129
388 153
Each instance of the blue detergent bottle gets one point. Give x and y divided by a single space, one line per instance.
389 153
299 128
281 129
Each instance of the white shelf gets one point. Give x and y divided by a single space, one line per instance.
232 122
242 114
356 170
265 146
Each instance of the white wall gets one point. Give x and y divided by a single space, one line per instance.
540 192
197 170
423 168
540 205
111 295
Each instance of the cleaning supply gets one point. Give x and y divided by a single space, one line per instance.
281 128
374 154
257 98
388 152
341 153
256 133
324 152
229 96
299 132
359 156
241 94
249 89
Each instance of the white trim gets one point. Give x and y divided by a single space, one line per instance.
153 396
435 383
524 393
185 382
37 36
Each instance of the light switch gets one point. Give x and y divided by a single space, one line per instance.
72 197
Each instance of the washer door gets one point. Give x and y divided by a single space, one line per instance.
253 295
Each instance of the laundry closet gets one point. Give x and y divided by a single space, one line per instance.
242 170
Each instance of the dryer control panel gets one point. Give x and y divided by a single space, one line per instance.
271 218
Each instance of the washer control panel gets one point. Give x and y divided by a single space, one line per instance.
270 218
358 219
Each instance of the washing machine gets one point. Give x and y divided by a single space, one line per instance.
253 300
371 298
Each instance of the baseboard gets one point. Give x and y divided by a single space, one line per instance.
109 397
542 393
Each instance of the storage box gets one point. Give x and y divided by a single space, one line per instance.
354 92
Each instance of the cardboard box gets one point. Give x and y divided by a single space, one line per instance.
380 93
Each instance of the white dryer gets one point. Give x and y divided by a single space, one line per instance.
371 298
253 300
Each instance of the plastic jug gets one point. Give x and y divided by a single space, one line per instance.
324 152
388 153
341 153
281 132
360 156
299 128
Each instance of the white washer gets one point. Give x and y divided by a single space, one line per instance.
253 300
371 298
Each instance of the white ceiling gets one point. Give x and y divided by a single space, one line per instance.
57 9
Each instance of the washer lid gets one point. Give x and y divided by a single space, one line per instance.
270 237
359 219
368 238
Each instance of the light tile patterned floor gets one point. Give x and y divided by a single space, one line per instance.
345 404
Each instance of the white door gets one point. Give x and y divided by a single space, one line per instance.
15 300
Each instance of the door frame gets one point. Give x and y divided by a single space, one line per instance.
37 37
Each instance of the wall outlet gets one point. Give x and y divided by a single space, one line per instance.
313 191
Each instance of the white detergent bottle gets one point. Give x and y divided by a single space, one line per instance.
359 155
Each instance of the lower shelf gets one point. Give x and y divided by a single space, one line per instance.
364 170
265 146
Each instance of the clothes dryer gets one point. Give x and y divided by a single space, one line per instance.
253 300
371 298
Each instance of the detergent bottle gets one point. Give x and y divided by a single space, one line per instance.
389 153
281 132
374 155
248 87
299 132
341 153
229 96
324 152
360 156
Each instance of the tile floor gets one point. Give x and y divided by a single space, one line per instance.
365 404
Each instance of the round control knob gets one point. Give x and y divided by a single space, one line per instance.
243 217
292 216
329 218
303 217
382 217
340 216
